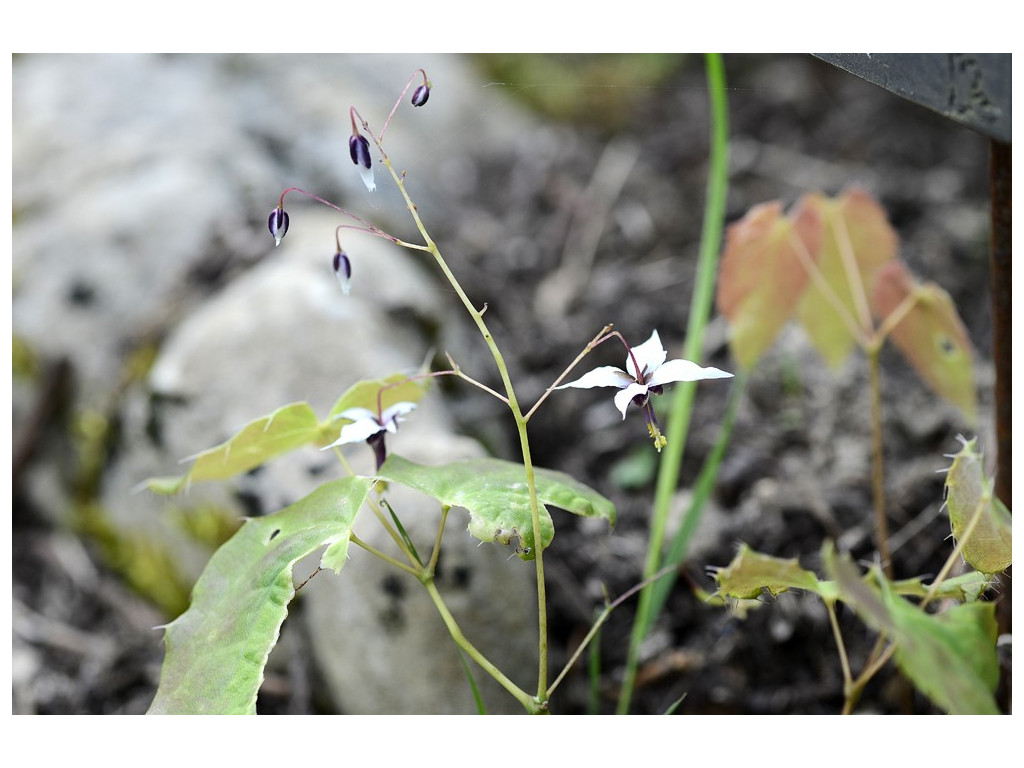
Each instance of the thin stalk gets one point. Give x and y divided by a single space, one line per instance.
878 659
432 565
386 558
844 660
375 508
682 403
601 620
517 414
873 352
528 702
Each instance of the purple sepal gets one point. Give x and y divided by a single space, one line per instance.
359 149
420 95
278 224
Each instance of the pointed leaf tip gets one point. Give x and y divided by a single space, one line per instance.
930 334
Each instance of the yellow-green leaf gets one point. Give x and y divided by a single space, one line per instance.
396 388
762 274
857 241
750 573
284 430
930 335
989 547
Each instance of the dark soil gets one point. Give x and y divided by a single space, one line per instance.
796 471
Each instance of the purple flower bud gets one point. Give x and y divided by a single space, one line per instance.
278 224
359 149
420 95
343 270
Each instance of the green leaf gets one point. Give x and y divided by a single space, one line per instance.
930 336
284 430
965 588
762 274
496 495
857 241
989 548
750 573
396 388
218 648
950 657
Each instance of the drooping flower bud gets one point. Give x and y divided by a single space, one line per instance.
422 92
359 149
278 224
420 95
343 270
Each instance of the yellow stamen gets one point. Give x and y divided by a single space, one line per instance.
660 440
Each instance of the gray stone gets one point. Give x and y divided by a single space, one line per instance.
142 185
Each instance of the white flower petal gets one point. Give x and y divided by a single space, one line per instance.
605 376
398 409
357 414
392 415
649 355
684 370
367 176
356 432
625 397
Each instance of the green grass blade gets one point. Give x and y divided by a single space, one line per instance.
683 397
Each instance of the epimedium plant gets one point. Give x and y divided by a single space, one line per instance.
217 650
832 263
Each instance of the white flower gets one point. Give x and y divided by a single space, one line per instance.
367 426
646 374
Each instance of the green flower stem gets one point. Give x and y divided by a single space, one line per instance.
528 702
386 558
602 617
432 565
375 508
844 660
517 413
683 397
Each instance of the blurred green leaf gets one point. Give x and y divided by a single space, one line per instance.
855 226
950 657
968 492
762 277
218 648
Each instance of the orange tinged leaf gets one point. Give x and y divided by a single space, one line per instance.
930 335
761 275
857 241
